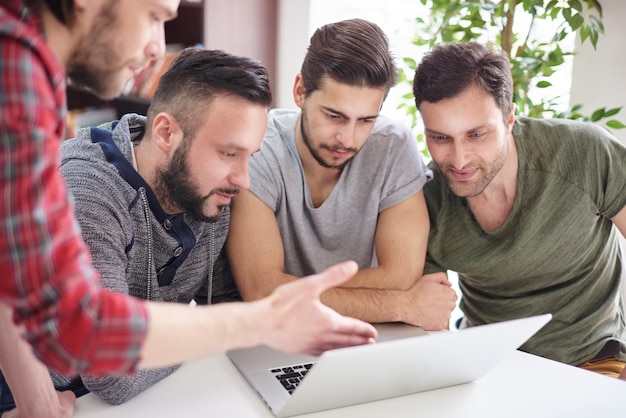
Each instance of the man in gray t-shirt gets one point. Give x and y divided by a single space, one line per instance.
527 211
336 181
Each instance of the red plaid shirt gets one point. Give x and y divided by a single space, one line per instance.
45 268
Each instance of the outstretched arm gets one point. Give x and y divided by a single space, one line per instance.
291 319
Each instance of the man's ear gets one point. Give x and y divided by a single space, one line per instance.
85 14
298 91
511 119
82 4
85 11
166 133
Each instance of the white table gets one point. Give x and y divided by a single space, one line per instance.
522 385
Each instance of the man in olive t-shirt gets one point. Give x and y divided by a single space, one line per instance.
527 211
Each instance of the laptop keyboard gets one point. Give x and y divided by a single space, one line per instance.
291 376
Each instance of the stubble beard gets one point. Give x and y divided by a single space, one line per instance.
475 187
307 142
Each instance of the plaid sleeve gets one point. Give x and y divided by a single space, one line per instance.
74 325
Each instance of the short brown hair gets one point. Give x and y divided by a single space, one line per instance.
450 69
354 52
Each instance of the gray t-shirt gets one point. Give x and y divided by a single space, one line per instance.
387 170
558 250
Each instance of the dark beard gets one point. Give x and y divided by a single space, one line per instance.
173 186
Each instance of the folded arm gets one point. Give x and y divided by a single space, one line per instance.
401 240
391 292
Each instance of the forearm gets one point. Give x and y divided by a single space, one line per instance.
427 303
28 379
254 284
117 390
204 329
384 278
369 305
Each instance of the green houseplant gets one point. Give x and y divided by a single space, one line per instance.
513 26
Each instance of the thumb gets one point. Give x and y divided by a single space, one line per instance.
68 395
334 276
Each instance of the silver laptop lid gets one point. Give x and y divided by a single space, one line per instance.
396 365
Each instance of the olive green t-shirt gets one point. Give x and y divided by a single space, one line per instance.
558 250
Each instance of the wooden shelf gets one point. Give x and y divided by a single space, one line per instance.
78 98
188 27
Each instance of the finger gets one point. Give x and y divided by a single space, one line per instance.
334 276
339 341
351 327
440 277
68 401
68 395
443 279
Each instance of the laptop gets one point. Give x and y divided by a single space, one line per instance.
404 360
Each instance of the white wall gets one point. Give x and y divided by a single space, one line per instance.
598 77
293 39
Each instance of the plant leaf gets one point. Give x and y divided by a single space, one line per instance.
615 124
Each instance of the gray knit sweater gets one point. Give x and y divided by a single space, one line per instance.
137 248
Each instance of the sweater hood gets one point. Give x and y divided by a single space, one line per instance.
128 130
112 144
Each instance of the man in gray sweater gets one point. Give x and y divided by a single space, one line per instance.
152 194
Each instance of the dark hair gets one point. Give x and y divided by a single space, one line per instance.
196 76
354 52
450 69
63 10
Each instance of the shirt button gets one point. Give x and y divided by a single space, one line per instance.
178 251
167 224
